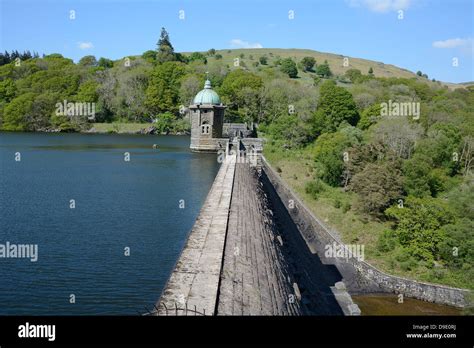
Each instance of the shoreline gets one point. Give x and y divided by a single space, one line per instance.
143 131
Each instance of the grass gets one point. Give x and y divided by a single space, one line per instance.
335 62
296 169
119 127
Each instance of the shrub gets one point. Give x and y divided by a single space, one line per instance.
418 226
288 66
377 187
386 241
346 207
314 188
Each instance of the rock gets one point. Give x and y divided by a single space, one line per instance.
354 309
49 130
148 130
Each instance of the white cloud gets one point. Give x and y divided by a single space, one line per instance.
452 43
85 45
237 43
382 6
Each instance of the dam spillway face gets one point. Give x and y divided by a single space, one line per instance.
246 256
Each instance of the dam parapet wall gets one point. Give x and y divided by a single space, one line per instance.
194 282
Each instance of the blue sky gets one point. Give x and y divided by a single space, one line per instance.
430 35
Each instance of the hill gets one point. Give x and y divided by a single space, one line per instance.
335 61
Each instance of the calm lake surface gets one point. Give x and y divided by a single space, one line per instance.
118 205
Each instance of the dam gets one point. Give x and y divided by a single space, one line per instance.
245 257
256 249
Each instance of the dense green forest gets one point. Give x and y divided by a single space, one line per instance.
401 183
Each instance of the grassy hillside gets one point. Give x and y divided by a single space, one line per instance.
335 62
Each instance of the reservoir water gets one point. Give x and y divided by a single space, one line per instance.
108 231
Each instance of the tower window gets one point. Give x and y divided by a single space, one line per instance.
205 129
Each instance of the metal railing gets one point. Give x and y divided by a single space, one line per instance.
176 311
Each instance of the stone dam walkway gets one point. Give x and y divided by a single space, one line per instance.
245 256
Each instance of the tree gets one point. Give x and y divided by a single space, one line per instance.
416 171
198 56
442 141
288 66
6 57
419 73
190 86
291 129
240 90
371 71
359 156
329 156
398 134
165 48
17 111
42 109
164 122
87 92
211 52
218 56
355 75
467 155
162 94
88 61
459 238
54 56
130 94
336 105
105 63
280 97
369 116
308 63
7 89
377 185
149 56
419 226
323 70
263 60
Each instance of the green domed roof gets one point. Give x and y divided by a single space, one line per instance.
207 95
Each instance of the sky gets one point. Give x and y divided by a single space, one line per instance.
427 35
